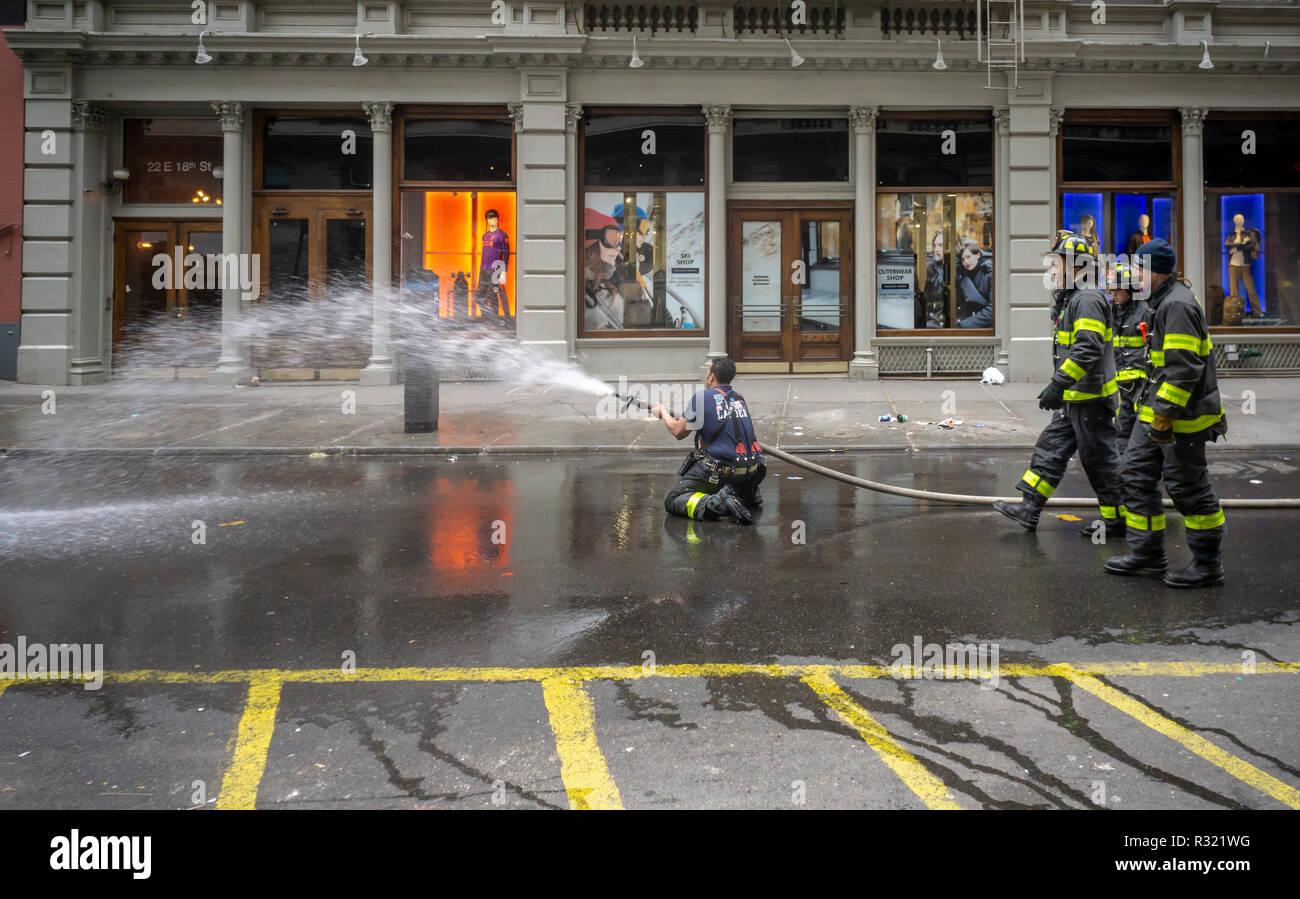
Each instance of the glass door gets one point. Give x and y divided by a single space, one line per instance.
791 290
164 284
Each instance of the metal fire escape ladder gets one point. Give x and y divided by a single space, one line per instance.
1001 37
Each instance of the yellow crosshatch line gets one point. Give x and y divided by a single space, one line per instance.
586 776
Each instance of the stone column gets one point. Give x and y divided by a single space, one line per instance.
234 343
865 365
1001 231
718 119
1028 225
573 203
380 369
1191 260
87 364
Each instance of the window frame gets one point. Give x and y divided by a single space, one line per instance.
580 205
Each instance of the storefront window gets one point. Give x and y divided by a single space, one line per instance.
643 241
934 261
790 150
643 260
171 160
316 153
457 150
1252 221
1118 180
934 152
458 255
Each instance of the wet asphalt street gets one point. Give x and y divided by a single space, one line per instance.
418 568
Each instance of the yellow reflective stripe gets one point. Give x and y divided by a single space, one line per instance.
1184 425
1187 342
1064 337
1176 395
1107 511
1038 484
1143 523
1076 395
1204 522
1134 340
1130 374
1073 369
1091 324
1157 357
693 502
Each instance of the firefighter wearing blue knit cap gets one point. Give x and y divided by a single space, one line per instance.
1179 411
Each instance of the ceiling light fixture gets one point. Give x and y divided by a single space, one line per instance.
1205 60
202 55
357 58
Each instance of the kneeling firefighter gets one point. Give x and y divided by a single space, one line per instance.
721 476
1081 395
1179 411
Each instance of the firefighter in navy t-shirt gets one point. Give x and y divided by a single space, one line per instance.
722 475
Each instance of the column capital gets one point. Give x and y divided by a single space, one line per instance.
718 118
1193 120
863 119
1002 118
231 115
86 117
1054 115
517 115
380 114
572 114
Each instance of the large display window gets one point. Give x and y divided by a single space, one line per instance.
1252 221
643 240
810 150
934 233
1119 174
316 152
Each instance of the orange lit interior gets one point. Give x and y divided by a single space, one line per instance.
453 229
461 525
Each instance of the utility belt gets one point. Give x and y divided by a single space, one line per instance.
716 468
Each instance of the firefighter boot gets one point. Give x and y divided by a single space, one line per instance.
1115 528
1024 513
725 502
1206 569
1147 557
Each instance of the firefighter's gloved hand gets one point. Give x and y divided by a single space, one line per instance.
1161 430
1052 397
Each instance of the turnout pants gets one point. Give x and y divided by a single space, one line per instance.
1089 429
1126 418
689 496
1182 467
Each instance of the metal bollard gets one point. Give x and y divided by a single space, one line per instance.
420 394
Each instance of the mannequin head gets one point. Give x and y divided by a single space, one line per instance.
1144 223
1239 221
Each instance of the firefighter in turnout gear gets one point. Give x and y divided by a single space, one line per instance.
1178 412
1132 321
1082 395
720 477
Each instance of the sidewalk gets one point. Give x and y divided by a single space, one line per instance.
804 414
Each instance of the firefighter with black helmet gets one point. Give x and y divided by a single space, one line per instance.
1131 324
1179 411
1082 394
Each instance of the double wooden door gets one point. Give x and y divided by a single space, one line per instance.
790 292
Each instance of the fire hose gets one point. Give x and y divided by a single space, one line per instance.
969 499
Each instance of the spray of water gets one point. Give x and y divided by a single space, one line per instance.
335 332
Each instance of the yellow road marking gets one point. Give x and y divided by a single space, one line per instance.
921 782
239 787
573 719
229 524
4 685
1237 767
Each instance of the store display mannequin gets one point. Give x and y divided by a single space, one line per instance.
1141 235
1243 246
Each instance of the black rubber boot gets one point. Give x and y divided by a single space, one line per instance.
1116 530
725 502
1147 558
1206 569
1024 513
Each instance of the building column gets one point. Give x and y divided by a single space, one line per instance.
1028 226
1192 257
235 358
718 119
1001 231
87 364
380 369
572 115
543 255
865 365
